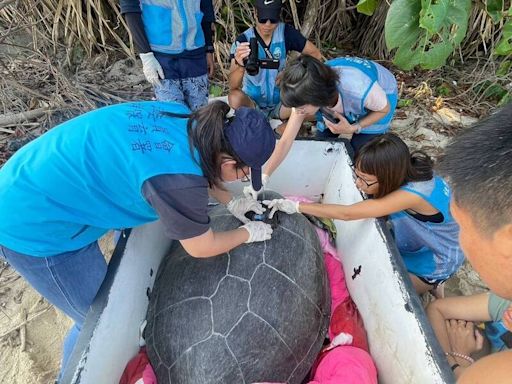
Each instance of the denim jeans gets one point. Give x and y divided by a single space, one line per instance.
191 91
68 280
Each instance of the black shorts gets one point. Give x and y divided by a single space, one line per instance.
434 282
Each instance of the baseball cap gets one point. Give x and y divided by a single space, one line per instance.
269 9
250 135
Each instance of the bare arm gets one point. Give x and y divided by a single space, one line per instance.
285 142
236 75
394 202
374 116
470 308
236 71
492 369
214 243
311 50
345 127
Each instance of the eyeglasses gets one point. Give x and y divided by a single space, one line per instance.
264 20
368 184
245 176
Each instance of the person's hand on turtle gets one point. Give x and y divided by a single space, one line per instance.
283 205
241 205
151 68
249 190
258 231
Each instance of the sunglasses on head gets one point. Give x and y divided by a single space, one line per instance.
264 20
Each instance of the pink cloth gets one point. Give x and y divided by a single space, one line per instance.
339 291
347 365
138 370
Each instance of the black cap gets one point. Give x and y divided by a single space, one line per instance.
269 9
252 138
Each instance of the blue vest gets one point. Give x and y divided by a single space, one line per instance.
494 330
429 250
262 87
173 26
71 185
357 77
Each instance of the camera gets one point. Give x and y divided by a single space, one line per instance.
253 63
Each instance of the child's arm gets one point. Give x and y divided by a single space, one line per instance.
285 142
394 202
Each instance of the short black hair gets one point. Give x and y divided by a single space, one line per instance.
307 80
478 166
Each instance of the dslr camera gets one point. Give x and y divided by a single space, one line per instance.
253 63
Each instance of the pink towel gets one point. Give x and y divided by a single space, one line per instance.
347 365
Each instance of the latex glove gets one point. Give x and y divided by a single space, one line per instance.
240 206
249 190
151 68
258 231
283 205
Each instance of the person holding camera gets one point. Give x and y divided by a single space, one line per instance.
259 55
175 44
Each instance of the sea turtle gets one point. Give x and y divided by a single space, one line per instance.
256 314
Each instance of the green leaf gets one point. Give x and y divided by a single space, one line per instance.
367 7
504 47
504 68
404 103
215 91
425 32
494 9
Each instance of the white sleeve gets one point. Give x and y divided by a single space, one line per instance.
376 99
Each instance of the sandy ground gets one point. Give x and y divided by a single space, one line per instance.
32 331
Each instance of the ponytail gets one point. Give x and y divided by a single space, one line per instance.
206 135
307 80
421 167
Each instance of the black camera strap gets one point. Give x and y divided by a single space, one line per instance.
265 47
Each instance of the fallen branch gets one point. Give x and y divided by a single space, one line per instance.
26 321
14 118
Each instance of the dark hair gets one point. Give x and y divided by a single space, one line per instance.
478 166
307 80
206 135
388 158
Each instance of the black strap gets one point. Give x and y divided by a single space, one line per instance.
265 47
174 114
454 366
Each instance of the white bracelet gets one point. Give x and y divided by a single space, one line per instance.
460 355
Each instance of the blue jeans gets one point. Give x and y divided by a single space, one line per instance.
68 280
191 91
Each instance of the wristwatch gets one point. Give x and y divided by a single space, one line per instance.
358 128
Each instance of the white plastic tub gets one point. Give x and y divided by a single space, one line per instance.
401 340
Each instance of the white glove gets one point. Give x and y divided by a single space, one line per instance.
283 205
258 231
249 190
240 206
151 68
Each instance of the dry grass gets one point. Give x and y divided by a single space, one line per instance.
50 51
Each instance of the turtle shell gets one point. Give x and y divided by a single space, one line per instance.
259 313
